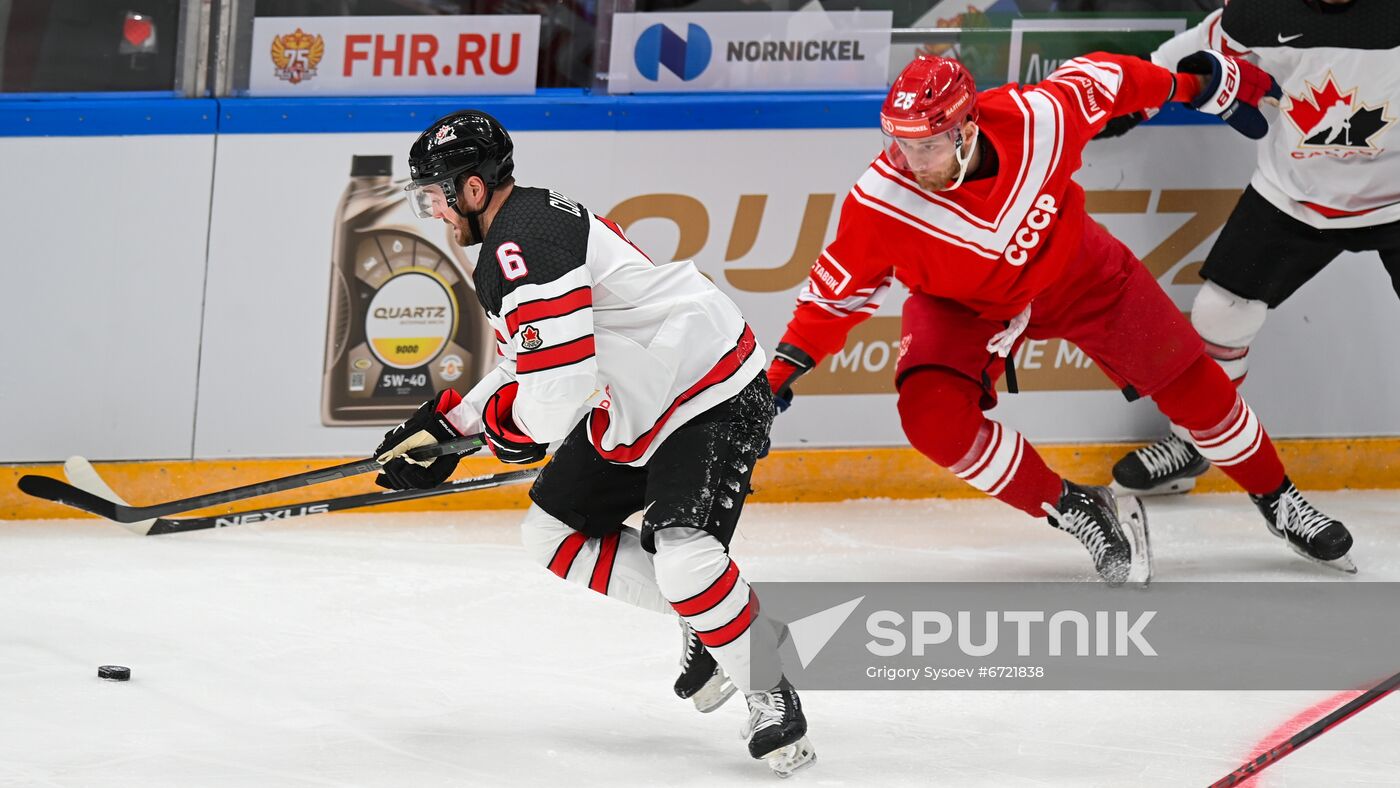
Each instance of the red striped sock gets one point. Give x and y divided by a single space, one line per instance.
1003 464
1241 448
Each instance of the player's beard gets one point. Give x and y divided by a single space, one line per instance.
938 181
461 233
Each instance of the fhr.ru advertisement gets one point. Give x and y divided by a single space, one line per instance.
394 55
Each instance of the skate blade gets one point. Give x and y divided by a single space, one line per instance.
715 692
784 761
1133 516
1173 487
1342 564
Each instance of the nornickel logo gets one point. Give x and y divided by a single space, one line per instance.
659 46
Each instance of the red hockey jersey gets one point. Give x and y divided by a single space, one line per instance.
994 243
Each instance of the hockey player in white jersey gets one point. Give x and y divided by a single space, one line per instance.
653 382
1327 181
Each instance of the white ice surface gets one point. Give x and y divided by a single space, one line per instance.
427 650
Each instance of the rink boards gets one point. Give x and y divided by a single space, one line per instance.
168 292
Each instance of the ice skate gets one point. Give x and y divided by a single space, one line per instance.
1117 541
702 680
777 730
1310 533
1168 466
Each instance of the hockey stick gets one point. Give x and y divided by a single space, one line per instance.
83 475
162 526
51 489
1309 733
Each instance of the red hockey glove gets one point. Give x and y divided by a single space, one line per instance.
427 425
790 362
1231 88
506 440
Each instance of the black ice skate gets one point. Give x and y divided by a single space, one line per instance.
1310 533
702 680
1170 465
1118 545
777 730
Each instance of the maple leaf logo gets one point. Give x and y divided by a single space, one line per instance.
444 134
1327 117
530 338
1308 110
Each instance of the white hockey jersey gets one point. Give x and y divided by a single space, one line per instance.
1332 155
589 326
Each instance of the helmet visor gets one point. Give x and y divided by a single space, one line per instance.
922 154
429 201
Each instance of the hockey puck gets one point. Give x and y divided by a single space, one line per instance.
114 673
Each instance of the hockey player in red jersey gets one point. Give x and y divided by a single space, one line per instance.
1327 181
653 382
972 206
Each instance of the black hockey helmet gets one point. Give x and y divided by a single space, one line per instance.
468 142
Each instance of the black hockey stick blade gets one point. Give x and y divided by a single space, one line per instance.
51 489
162 526
1267 759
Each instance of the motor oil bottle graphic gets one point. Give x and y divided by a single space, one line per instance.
403 321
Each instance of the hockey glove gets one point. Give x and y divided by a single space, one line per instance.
790 362
506 440
1231 88
427 425
1117 127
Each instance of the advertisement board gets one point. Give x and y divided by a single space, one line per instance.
753 218
103 293
394 55
300 308
1038 46
739 51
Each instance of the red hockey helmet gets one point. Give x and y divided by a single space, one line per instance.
931 95
922 120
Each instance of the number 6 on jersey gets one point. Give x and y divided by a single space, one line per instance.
512 262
